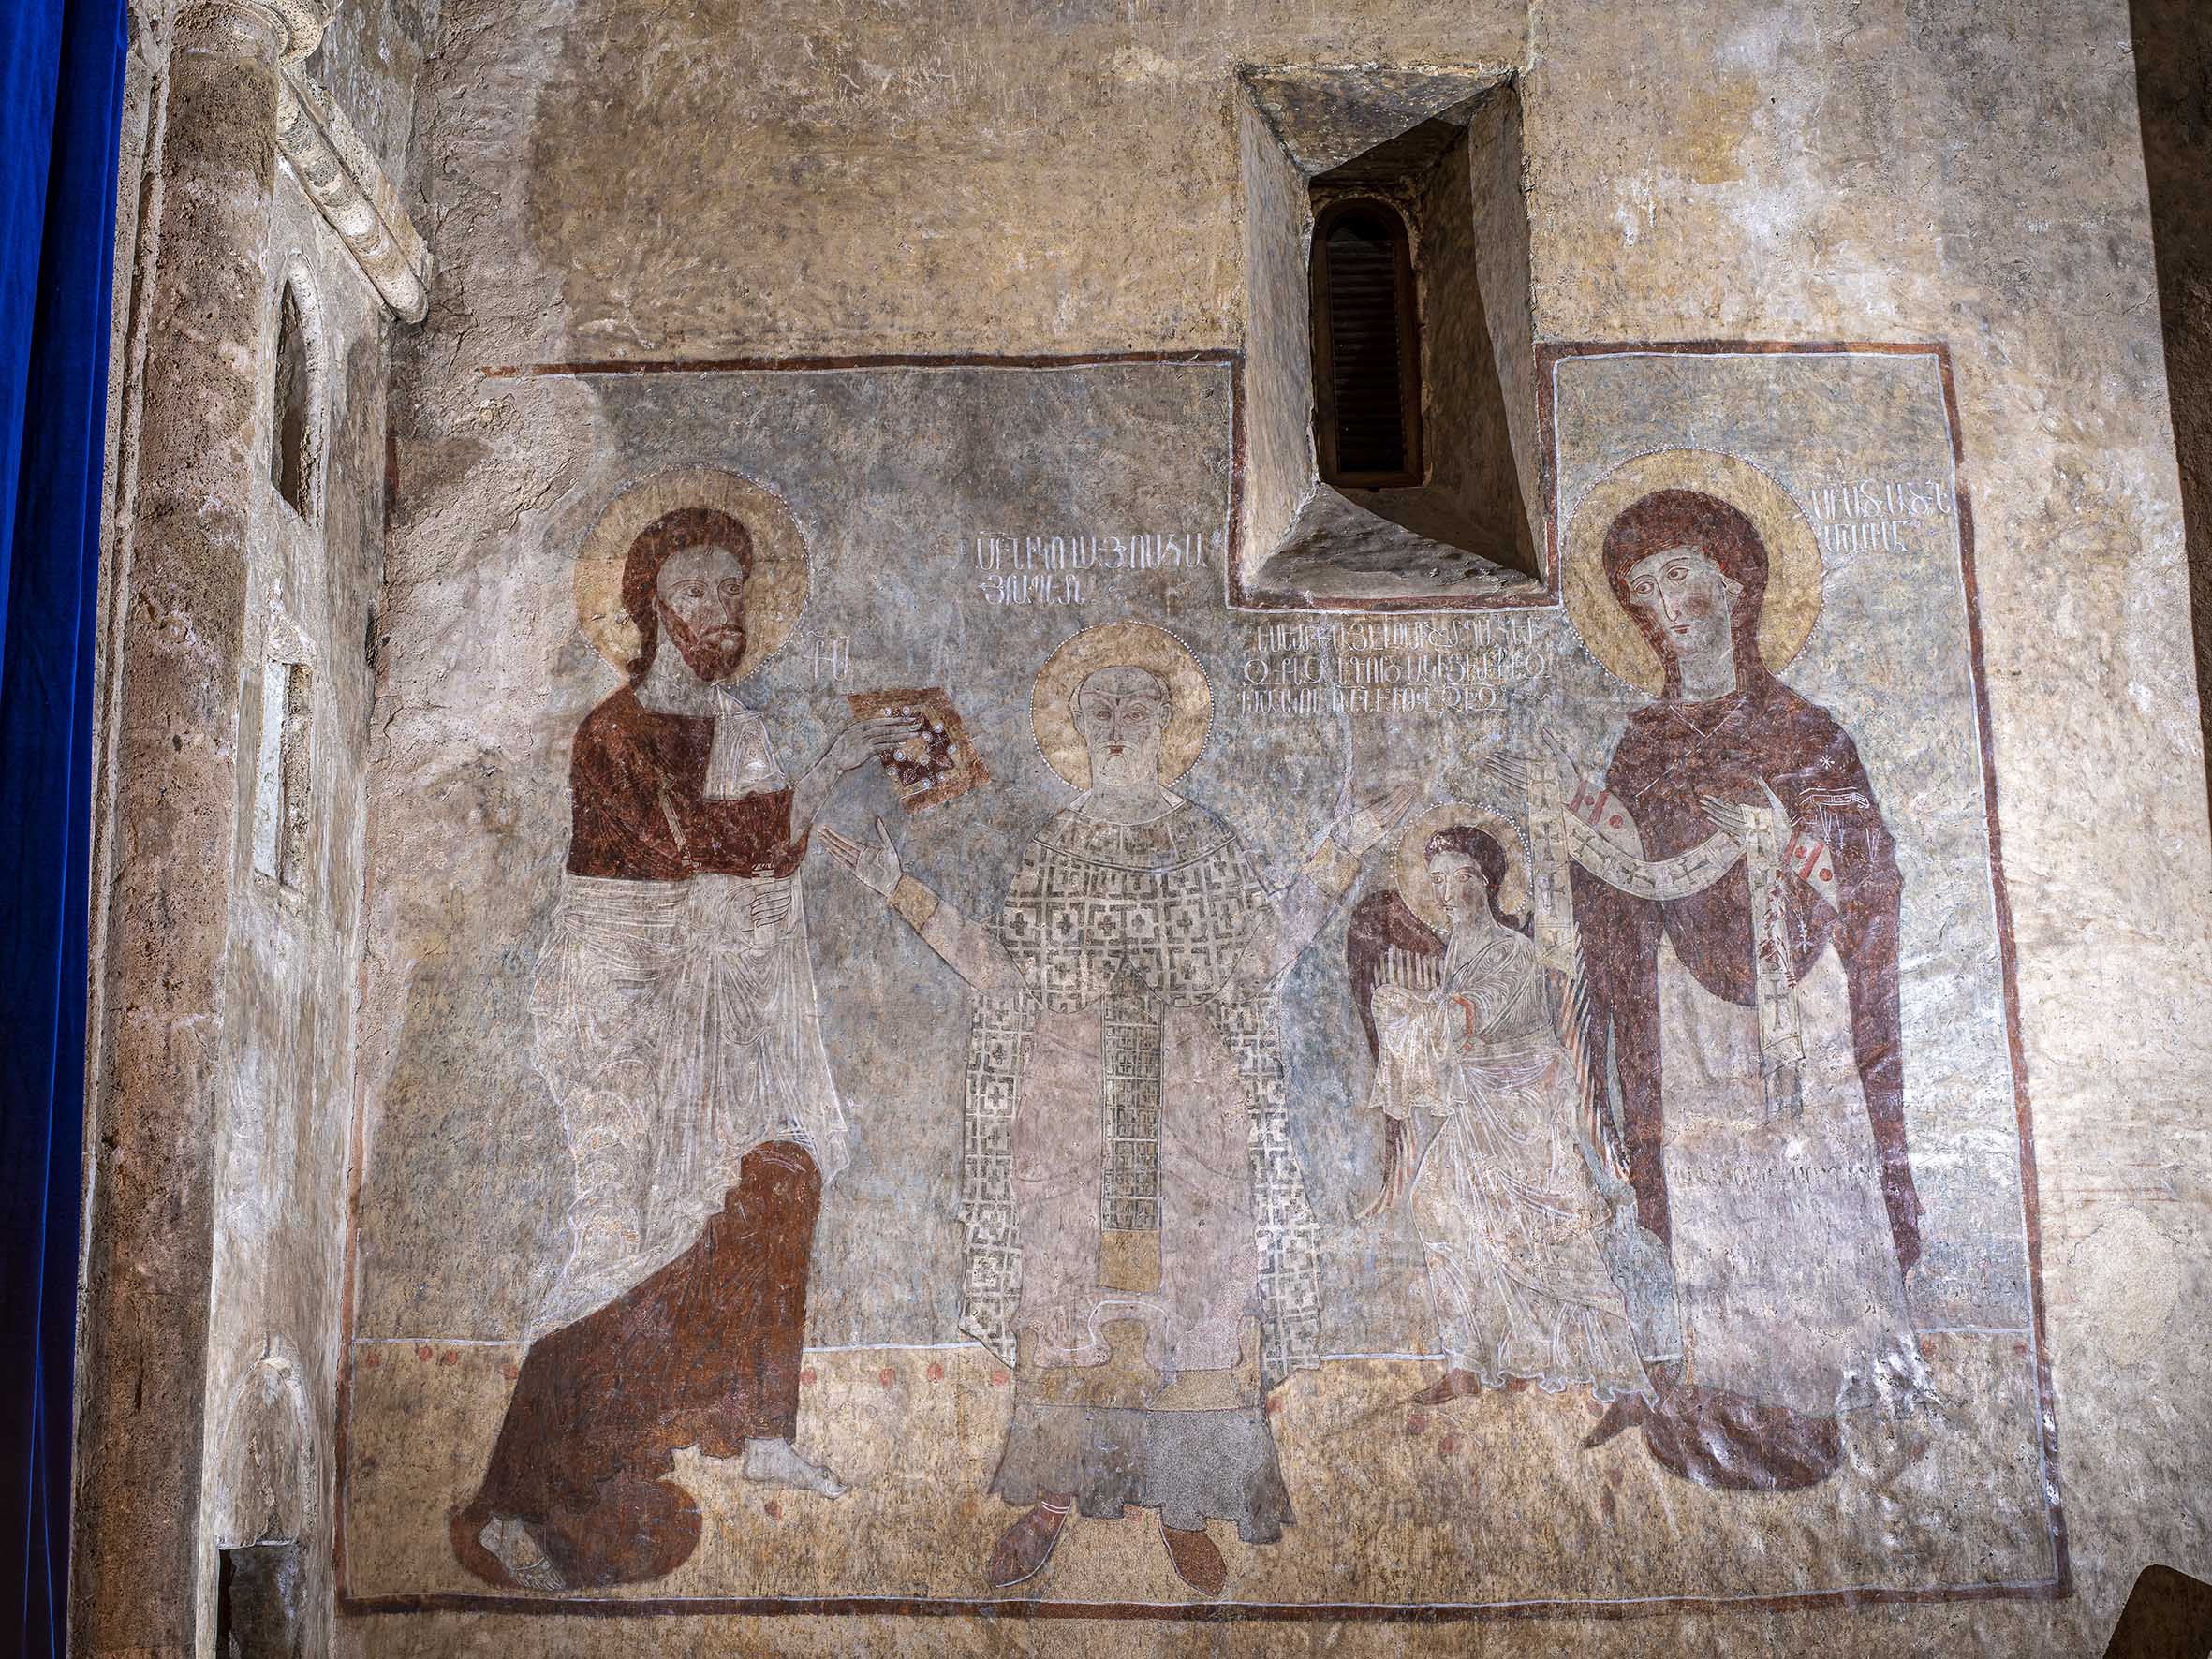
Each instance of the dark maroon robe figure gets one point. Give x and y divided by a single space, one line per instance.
1669 971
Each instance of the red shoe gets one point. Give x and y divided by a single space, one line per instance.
1452 1385
1025 1547
1197 1562
1626 1413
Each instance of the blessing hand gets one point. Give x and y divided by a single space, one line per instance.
1417 976
1737 819
878 867
770 904
1518 771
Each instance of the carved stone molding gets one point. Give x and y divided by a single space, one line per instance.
344 180
293 28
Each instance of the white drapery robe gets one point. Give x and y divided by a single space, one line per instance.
1506 1209
676 1035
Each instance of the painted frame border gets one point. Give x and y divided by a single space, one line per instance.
2059 1585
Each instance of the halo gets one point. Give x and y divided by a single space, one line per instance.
1410 864
1115 645
1610 634
776 592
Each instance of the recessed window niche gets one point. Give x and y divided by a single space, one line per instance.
1389 359
1366 345
295 438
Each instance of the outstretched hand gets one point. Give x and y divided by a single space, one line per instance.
1735 819
1357 830
1518 771
770 904
1417 976
877 866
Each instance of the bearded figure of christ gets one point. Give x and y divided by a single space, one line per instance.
676 1027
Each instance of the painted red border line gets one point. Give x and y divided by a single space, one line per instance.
833 364
1239 596
1180 1612
1547 358
2008 956
2058 1587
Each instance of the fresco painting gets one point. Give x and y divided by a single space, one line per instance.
1305 1088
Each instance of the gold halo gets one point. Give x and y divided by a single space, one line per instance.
775 591
1117 645
1610 634
1410 864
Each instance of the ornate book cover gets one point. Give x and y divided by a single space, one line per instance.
938 763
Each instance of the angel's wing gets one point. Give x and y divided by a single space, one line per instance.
1579 1035
1382 922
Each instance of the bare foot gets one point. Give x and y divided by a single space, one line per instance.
1197 1562
1452 1385
777 1462
510 1542
1025 1547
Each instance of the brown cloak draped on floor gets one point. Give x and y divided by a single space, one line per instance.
654 996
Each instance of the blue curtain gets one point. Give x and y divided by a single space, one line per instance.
61 90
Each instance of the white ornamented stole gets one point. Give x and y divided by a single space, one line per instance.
1556 837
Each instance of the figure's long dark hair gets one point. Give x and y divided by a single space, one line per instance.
1481 847
1668 519
686 527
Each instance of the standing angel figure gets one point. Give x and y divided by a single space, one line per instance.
1139 1247
1517 1193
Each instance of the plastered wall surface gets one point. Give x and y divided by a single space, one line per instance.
2171 43
283 1149
631 190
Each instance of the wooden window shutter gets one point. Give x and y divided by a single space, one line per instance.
1366 346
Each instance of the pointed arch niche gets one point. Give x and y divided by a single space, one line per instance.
296 398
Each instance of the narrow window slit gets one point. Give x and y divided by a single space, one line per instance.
292 439
1366 346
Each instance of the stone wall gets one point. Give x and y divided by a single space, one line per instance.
627 188
220 1120
2173 82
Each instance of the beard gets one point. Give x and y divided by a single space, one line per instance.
715 656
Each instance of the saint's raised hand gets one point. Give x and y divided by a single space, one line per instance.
1359 831
770 903
1518 771
876 867
1417 976
1736 819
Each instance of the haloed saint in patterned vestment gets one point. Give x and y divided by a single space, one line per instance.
676 1028
1139 1247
